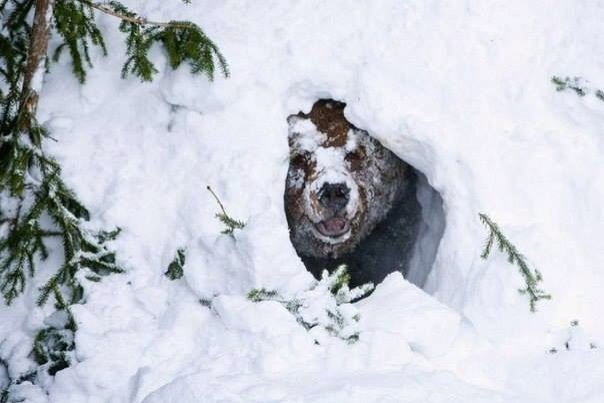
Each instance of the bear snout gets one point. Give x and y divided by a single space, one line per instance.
334 197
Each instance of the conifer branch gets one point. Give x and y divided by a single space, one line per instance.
108 9
576 84
334 320
53 348
579 85
230 223
175 269
183 41
531 277
74 22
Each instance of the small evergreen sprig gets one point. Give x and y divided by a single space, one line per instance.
230 223
53 348
531 277
262 294
332 294
576 84
175 268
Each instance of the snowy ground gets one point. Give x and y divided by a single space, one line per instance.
461 90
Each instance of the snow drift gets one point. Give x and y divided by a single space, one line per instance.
460 90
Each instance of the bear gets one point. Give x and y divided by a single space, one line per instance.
348 199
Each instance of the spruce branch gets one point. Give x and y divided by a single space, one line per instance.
262 294
531 277
293 305
183 41
175 268
118 10
576 84
230 223
74 21
25 242
339 279
321 305
53 348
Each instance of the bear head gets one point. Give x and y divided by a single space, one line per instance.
341 182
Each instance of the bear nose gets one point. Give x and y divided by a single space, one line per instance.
334 196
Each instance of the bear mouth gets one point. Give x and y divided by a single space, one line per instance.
333 227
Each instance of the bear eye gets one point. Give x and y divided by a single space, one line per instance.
354 158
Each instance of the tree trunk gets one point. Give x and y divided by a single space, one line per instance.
36 56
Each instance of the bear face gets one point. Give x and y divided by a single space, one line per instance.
341 184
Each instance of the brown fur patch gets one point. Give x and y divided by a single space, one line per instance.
328 117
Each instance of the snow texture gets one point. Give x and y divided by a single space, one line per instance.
460 90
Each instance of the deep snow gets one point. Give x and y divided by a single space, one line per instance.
461 90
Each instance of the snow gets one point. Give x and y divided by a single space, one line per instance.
434 328
432 226
460 90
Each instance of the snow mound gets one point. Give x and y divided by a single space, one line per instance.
410 385
401 309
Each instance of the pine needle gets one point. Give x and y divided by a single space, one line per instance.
575 84
531 277
336 285
175 268
230 223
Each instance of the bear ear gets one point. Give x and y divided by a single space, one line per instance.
292 119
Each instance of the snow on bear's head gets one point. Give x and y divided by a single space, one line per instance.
341 182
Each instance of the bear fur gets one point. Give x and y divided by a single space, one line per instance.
348 199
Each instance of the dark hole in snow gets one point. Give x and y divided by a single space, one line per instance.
349 200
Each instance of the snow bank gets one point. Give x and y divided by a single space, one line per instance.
460 90
397 307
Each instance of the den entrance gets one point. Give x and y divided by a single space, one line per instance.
349 200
